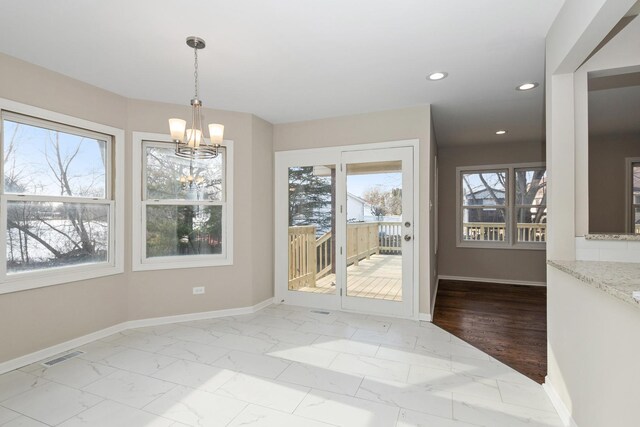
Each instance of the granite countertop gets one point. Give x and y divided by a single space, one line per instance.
608 236
619 279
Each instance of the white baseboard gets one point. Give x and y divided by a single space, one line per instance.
435 295
45 353
425 317
486 280
428 317
154 321
561 409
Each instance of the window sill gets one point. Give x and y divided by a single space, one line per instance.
161 264
518 246
40 279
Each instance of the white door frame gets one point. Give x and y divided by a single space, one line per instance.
331 155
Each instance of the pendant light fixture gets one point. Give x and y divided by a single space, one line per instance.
191 143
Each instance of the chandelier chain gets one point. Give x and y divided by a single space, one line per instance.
195 72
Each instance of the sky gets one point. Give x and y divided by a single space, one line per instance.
359 184
33 147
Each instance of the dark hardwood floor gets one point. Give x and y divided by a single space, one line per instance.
509 322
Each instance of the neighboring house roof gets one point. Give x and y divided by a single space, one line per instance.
359 199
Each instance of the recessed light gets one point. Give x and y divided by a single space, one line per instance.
501 132
527 86
439 75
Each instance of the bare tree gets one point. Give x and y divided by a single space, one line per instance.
384 202
65 230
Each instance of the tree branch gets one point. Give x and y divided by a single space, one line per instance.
26 231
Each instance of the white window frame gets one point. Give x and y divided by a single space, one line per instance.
630 215
139 260
114 198
510 207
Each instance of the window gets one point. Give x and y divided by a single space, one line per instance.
635 195
183 207
502 206
58 207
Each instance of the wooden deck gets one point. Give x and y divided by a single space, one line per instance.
378 277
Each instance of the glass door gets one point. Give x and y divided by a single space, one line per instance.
306 230
344 230
377 231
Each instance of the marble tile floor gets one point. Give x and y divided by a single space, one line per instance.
283 366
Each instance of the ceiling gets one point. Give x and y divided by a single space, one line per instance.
292 60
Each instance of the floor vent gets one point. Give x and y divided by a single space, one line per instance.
320 312
62 358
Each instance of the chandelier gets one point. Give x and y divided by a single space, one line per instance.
191 143
192 184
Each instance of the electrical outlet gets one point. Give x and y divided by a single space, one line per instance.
198 290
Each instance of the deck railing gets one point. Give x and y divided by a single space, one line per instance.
324 254
302 262
492 232
311 259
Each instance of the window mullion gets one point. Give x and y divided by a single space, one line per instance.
179 202
55 199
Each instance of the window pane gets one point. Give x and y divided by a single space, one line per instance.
637 220
183 230
484 188
45 234
47 162
484 224
531 186
531 224
636 183
311 237
310 193
170 177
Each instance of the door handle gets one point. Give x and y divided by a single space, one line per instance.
407 237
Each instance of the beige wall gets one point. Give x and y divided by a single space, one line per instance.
408 123
164 292
501 264
32 320
608 181
36 319
592 362
593 352
262 222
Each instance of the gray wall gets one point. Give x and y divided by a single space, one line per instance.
500 264
433 208
608 181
